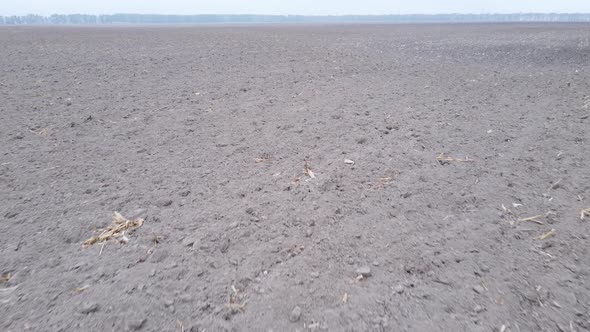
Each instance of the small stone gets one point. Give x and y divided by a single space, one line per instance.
295 315
399 289
189 241
484 268
309 232
348 162
315 275
164 202
168 303
152 273
478 289
477 309
19 136
375 263
184 193
135 324
364 271
224 246
88 307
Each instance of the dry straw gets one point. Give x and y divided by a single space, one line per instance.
116 230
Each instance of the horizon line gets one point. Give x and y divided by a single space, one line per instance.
310 15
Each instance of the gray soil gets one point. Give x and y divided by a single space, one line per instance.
167 123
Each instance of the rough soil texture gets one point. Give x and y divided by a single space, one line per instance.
167 123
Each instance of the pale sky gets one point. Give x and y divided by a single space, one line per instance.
303 7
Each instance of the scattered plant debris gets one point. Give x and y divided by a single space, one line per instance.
116 230
533 219
5 277
546 235
81 289
307 170
442 159
44 132
233 304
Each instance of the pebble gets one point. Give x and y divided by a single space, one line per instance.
19 136
364 271
168 303
484 268
309 232
88 307
315 274
189 241
477 309
135 324
399 289
164 202
348 161
478 289
295 315
224 246
375 263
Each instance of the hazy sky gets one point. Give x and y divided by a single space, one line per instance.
308 7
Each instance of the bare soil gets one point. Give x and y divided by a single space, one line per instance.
210 133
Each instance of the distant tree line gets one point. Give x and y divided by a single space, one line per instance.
196 19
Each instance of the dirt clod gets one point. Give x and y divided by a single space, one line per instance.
295 314
135 324
88 307
364 271
478 289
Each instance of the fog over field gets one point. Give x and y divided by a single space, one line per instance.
275 19
300 7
